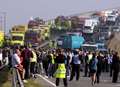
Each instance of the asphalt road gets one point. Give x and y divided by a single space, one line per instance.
83 82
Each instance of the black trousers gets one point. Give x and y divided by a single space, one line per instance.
32 67
27 69
75 71
45 66
64 81
110 70
98 77
86 70
115 76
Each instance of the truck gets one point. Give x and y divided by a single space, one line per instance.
94 47
90 25
70 41
18 34
36 36
111 16
111 19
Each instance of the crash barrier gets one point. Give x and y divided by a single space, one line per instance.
16 79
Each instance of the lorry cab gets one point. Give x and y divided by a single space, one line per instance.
17 39
18 34
94 47
89 47
71 41
90 25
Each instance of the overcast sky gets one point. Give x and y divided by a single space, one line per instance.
19 11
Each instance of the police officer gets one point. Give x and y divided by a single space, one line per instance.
61 70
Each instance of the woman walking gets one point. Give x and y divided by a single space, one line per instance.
93 68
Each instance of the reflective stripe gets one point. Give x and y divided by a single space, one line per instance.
53 61
61 71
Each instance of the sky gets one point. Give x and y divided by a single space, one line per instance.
20 11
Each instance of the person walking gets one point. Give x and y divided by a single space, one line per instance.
116 67
33 61
61 70
99 67
88 57
110 64
93 68
26 54
51 64
75 66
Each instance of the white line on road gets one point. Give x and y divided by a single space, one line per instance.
118 85
46 80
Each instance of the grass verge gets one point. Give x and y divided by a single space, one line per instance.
32 83
6 77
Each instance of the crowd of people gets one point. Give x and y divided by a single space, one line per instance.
62 64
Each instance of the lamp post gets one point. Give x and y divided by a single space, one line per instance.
3 21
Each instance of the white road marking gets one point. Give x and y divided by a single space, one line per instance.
118 85
46 80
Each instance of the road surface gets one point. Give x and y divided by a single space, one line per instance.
83 82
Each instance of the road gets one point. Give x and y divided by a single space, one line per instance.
83 82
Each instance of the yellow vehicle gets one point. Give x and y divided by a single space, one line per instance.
1 38
18 34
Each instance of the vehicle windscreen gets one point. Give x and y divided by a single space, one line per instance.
101 47
20 38
89 48
87 27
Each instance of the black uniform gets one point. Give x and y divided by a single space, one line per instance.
115 66
99 68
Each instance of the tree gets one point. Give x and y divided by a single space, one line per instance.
74 21
62 22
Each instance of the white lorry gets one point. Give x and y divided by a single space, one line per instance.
90 24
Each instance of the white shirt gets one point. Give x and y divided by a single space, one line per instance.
15 60
1 57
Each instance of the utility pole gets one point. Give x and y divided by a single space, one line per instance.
3 21
4 13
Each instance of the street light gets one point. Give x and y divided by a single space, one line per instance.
3 21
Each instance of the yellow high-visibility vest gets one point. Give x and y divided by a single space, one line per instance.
34 59
61 71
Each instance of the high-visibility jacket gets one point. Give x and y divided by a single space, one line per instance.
34 59
52 60
89 58
61 71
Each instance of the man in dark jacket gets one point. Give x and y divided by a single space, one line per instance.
26 54
99 67
116 67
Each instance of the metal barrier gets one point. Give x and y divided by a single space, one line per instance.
16 79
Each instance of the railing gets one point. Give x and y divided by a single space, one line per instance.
16 79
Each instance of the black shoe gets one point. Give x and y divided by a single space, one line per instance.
84 76
114 82
93 83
